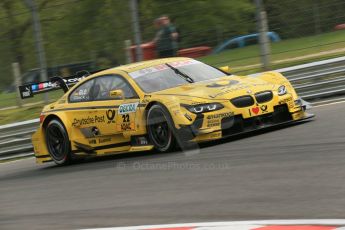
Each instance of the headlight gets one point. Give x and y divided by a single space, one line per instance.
282 90
203 108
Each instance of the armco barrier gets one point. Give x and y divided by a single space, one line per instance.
15 139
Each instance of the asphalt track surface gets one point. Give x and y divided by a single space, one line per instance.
296 172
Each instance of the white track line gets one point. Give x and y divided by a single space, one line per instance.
329 100
331 103
16 160
20 123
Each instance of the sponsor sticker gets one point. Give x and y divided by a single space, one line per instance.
147 99
240 86
126 126
216 135
110 115
126 123
157 68
254 110
220 115
92 142
25 91
222 84
128 108
214 119
88 121
263 108
188 117
104 140
213 123
287 101
48 84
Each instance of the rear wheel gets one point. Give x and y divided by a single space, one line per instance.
58 143
159 128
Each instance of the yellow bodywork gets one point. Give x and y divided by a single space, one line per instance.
116 133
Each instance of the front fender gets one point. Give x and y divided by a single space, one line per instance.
278 79
176 111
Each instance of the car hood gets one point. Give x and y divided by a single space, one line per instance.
221 88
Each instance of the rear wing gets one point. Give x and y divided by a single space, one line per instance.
55 83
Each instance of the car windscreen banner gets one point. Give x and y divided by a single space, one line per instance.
29 90
161 67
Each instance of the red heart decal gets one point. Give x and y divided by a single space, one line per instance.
256 110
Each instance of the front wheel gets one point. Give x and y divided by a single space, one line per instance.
58 143
159 128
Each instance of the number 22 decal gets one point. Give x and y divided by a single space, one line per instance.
125 117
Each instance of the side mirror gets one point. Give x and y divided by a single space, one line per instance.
225 69
116 94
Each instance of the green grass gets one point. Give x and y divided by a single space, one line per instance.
9 99
31 109
20 114
240 61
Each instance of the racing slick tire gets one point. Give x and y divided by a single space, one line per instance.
58 143
160 129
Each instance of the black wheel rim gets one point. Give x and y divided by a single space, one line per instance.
159 129
57 143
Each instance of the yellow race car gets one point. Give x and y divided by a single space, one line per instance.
157 104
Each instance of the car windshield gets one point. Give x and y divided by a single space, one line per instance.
160 77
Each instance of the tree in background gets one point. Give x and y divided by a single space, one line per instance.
298 18
201 22
16 36
84 30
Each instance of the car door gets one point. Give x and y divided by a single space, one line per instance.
98 118
84 113
120 113
80 108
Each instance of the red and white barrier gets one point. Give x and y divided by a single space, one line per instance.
329 224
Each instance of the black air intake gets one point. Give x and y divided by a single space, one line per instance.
243 101
264 96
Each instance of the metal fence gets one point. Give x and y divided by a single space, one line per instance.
75 31
15 139
312 81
